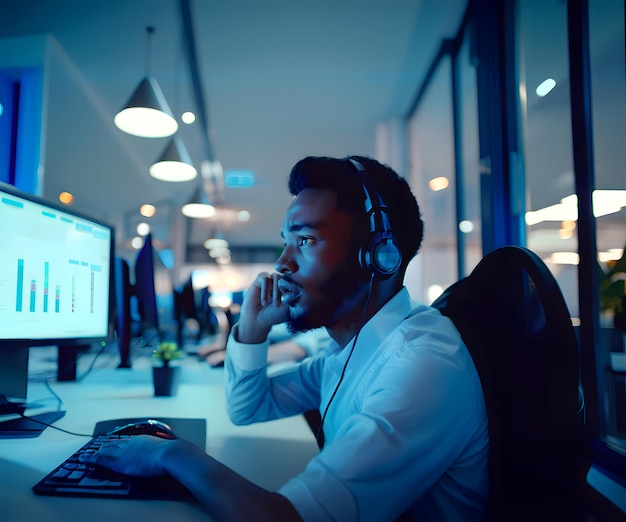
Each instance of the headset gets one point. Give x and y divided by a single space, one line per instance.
379 258
380 255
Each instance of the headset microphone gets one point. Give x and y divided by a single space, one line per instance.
381 255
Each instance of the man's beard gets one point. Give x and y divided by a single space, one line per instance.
343 292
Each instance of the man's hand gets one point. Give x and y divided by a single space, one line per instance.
261 309
138 455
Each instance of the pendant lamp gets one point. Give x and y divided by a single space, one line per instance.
146 113
217 240
199 205
174 164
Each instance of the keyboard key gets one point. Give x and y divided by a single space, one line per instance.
73 478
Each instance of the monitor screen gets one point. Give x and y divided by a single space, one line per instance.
56 271
154 291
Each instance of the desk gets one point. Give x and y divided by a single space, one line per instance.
267 453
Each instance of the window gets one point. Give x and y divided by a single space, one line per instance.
542 50
432 180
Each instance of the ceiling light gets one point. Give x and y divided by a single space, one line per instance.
147 210
563 211
545 87
568 225
146 113
188 117
604 202
564 258
219 252
243 216
439 183
174 164
143 229
215 242
66 198
224 259
613 254
198 206
466 226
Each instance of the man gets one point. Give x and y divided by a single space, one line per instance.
403 415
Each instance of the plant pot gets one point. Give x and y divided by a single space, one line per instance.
165 380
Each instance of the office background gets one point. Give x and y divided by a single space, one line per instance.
444 93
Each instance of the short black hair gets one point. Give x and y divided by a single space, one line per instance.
341 176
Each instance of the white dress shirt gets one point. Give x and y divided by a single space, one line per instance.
406 433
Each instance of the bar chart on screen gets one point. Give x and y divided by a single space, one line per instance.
54 271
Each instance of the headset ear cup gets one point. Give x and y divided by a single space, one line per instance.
382 257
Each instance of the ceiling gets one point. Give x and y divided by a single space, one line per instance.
280 80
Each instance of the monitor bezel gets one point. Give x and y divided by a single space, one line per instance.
68 341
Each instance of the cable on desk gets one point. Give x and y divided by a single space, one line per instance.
15 409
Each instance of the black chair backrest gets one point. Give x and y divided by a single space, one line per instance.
511 314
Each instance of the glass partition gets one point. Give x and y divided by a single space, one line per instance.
547 140
524 94
431 156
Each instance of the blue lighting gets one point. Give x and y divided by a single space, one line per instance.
239 178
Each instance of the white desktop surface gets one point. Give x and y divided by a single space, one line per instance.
266 453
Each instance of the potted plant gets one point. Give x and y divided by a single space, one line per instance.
166 376
613 291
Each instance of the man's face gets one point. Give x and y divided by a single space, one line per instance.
320 270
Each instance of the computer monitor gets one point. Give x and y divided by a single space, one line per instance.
123 317
56 285
186 301
154 292
186 310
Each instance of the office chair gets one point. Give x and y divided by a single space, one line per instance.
512 316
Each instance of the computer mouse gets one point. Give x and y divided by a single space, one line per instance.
146 427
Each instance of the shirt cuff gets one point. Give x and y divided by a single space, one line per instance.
247 357
316 494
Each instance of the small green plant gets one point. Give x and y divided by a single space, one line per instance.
166 352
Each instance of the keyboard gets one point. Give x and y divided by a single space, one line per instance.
73 478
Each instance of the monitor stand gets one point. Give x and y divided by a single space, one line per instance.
28 427
14 383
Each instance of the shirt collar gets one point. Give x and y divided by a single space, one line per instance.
381 324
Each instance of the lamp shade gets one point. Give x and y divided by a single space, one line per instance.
174 164
147 114
199 206
216 241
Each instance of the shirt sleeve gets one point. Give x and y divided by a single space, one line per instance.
253 396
